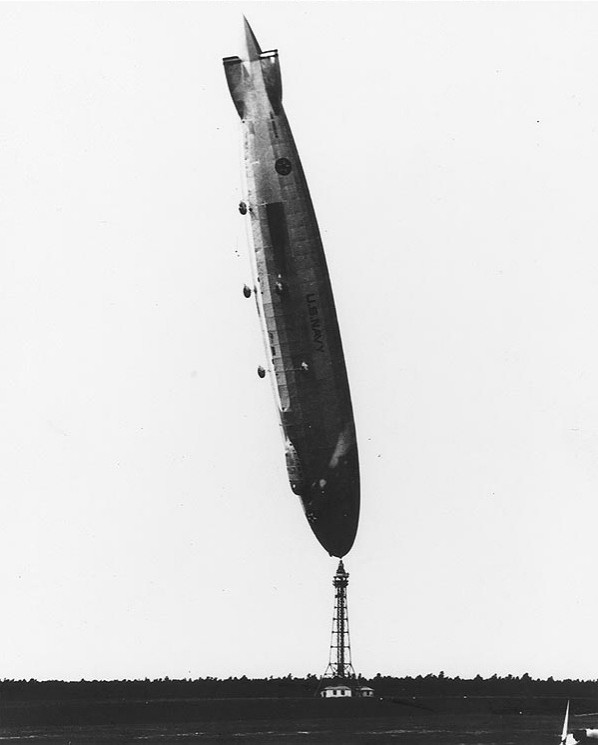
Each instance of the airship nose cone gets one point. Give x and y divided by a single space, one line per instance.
332 507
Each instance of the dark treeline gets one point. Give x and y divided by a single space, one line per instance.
289 686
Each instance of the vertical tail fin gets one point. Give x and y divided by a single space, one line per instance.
243 73
252 47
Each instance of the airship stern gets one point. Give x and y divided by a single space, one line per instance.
249 73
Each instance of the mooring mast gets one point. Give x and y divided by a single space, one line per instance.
339 663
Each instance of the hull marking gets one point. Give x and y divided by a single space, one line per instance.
315 322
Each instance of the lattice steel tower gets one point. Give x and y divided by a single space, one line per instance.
339 663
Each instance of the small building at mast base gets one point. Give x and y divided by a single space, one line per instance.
336 691
363 692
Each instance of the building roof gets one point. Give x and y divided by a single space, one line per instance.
337 688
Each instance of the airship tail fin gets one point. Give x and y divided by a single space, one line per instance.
237 84
272 79
239 76
252 47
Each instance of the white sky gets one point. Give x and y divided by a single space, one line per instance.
147 525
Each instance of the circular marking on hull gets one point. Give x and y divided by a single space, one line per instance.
283 166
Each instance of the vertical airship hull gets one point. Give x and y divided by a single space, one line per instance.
296 306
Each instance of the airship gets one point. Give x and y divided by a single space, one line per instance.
291 286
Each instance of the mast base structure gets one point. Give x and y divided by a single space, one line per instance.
340 679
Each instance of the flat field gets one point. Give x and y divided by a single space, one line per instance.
300 725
